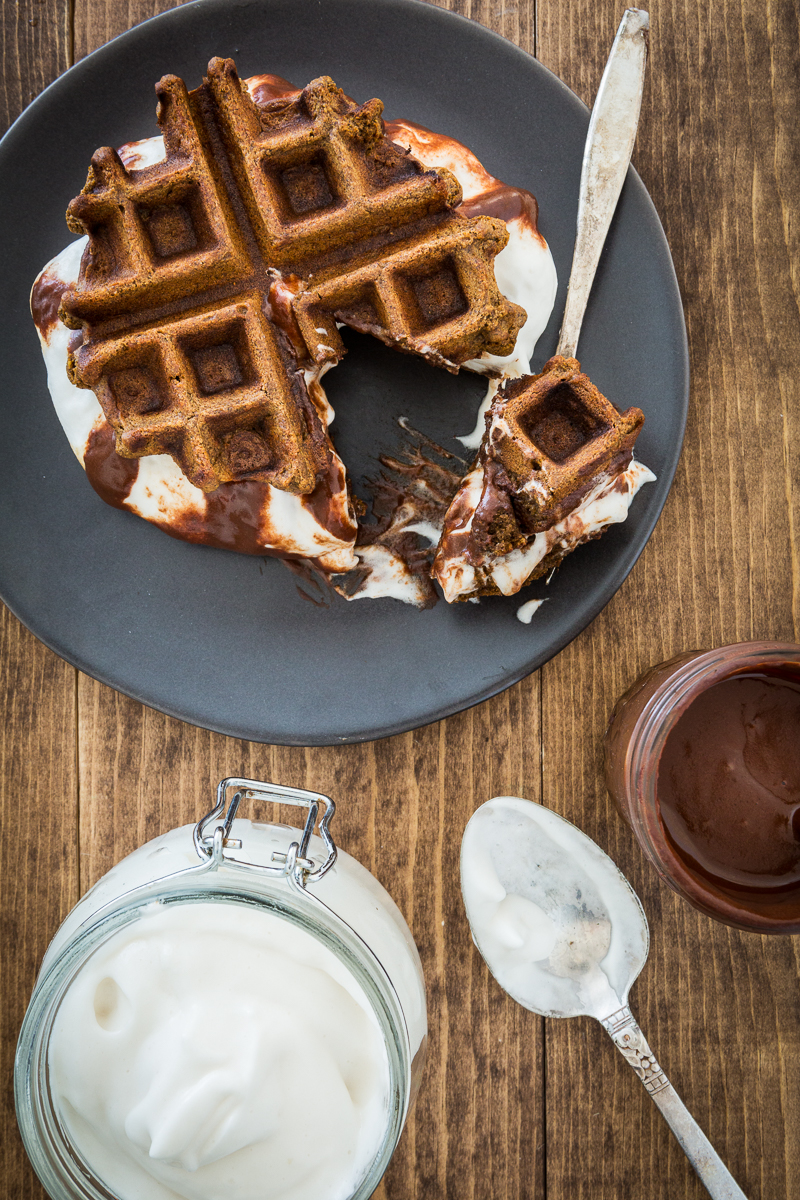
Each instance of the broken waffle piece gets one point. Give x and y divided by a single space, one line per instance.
370 233
215 276
554 434
144 237
555 468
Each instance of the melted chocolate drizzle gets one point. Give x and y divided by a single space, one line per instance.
231 519
498 199
504 202
111 476
45 301
415 487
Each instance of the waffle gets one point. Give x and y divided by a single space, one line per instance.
553 434
213 278
553 443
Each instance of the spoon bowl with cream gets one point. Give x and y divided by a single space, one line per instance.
563 933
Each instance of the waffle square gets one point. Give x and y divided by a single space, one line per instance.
217 391
156 235
554 434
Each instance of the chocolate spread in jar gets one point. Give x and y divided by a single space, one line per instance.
729 783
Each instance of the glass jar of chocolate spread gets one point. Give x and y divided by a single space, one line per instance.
702 757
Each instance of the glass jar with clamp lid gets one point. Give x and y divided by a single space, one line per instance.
236 1008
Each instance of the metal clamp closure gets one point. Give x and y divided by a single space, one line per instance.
295 864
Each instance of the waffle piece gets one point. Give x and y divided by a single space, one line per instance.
183 339
157 235
550 474
216 391
371 234
553 434
428 298
316 172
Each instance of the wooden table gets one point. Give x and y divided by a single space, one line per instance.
512 1106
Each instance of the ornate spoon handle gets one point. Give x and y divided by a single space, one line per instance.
609 144
632 1045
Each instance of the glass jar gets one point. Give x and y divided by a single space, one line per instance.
298 877
635 740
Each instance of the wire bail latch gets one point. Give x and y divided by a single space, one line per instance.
294 864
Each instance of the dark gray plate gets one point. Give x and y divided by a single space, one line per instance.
224 640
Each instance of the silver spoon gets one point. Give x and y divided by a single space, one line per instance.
563 933
609 145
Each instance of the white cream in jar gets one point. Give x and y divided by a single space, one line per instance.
201 1031
209 1050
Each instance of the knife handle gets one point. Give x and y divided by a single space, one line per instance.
609 145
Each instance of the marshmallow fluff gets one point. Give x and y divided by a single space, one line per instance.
221 1032
532 884
209 1050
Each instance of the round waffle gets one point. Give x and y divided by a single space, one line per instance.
214 277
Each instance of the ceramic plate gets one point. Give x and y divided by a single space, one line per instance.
224 640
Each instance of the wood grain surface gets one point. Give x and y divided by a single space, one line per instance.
511 1106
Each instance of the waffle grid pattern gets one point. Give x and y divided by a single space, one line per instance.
305 189
555 434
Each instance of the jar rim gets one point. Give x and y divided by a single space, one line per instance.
56 1161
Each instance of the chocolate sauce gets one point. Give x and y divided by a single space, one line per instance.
45 300
504 202
320 503
265 88
234 516
498 199
729 783
413 488
111 476
231 520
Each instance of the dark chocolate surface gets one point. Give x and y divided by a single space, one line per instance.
729 783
